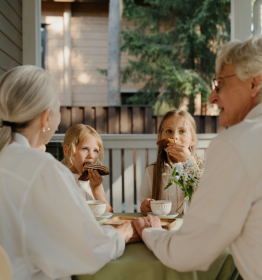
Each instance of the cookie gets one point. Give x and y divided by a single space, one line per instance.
102 170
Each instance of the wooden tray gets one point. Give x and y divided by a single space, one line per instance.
117 221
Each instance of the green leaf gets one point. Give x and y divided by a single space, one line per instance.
168 185
174 173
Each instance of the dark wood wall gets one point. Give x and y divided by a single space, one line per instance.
125 120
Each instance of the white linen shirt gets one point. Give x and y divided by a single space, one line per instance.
46 227
173 193
226 210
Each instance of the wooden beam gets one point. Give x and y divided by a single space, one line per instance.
67 54
257 17
114 37
240 19
87 1
31 11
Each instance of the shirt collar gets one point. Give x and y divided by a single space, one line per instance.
21 140
255 112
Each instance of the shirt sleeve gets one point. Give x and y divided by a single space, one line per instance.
62 236
147 183
216 216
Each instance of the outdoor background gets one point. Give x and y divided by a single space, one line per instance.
168 51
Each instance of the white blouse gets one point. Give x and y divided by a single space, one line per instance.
46 227
226 210
85 188
173 193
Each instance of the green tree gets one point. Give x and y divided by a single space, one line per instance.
175 43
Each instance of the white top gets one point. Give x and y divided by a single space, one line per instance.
46 227
227 208
85 188
173 193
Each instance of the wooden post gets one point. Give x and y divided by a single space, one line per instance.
114 33
31 14
257 8
240 19
203 108
67 54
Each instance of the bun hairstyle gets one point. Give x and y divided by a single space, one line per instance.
161 153
74 135
25 93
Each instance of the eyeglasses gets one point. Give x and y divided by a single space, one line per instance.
215 82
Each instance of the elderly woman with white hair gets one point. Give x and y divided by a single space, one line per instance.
227 208
46 227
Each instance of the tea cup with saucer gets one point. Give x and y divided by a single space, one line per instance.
98 207
161 207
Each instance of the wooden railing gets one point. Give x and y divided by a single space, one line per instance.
127 156
125 120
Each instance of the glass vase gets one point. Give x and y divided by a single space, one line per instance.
186 204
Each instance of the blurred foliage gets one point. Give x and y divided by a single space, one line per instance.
175 44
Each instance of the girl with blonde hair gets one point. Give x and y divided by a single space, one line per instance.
179 125
82 144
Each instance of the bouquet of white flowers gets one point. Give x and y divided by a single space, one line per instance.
186 175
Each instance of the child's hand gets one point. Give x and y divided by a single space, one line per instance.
145 206
95 180
179 151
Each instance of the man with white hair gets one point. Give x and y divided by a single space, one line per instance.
227 208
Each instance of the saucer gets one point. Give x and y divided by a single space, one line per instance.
171 215
106 215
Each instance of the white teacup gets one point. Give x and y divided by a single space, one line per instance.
98 207
161 207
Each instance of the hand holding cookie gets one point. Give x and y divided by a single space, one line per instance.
178 151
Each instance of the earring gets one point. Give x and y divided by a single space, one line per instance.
48 128
43 129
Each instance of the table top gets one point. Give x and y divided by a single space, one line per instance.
138 262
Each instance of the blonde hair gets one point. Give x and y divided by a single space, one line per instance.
246 58
25 93
74 135
161 153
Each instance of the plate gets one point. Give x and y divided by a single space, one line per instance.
171 215
106 215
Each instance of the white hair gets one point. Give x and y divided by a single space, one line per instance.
25 93
246 58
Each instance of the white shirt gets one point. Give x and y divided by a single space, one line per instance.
173 193
46 227
227 208
85 188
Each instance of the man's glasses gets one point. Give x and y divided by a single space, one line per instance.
215 82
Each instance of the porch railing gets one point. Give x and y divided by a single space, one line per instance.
125 120
127 157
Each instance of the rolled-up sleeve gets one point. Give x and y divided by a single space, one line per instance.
61 236
216 216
